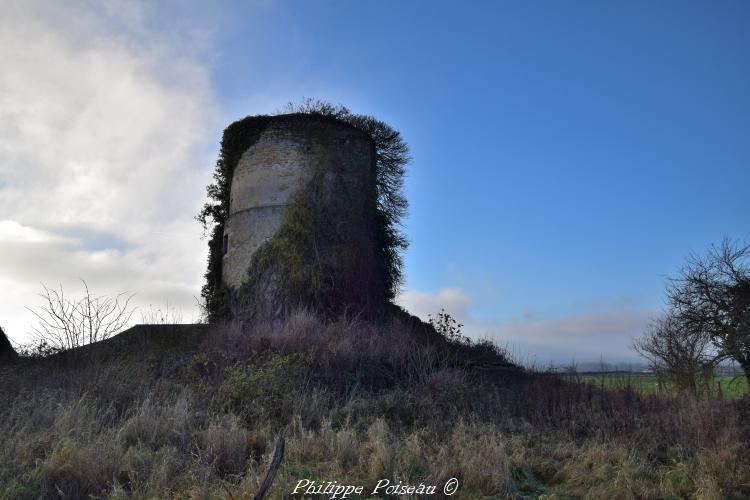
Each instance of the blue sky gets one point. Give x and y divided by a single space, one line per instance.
566 156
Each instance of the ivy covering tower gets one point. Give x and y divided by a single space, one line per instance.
305 211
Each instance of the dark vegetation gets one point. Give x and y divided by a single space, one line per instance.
194 412
6 348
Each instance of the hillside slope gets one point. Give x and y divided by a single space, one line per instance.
194 412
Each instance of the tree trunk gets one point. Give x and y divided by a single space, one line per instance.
745 364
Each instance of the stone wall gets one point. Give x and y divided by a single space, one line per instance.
300 230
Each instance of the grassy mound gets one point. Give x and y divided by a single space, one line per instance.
6 349
145 416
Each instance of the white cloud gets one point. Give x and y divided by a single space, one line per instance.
421 304
107 130
582 337
11 231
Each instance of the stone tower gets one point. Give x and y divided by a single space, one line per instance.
301 225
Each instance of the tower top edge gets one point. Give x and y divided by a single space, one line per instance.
265 121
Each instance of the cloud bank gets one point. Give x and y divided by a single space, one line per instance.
586 337
107 127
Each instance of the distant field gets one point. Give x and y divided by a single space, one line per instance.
731 387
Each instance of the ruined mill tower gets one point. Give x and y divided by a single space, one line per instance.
300 228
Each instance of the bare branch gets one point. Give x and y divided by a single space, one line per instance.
69 323
712 293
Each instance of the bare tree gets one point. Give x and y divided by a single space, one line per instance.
66 323
712 293
679 352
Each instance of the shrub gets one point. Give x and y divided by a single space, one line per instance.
447 326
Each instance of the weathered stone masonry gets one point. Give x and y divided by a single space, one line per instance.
329 167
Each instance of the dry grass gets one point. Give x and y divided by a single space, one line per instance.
356 404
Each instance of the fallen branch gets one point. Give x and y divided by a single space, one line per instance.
278 454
